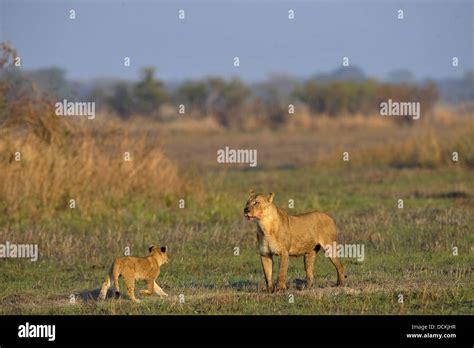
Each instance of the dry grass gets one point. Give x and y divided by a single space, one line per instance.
76 159
425 150
370 140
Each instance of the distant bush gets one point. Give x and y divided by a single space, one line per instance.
144 97
352 97
194 94
234 104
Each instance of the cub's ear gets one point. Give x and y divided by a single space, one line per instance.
163 249
270 197
150 248
251 194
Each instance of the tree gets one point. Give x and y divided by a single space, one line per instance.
194 95
226 100
149 93
122 100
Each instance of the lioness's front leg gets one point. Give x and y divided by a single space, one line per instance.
309 267
267 265
284 257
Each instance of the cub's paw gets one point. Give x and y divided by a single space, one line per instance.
145 293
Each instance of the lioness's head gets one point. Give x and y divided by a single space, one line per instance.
257 205
160 253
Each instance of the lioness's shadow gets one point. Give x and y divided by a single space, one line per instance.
300 284
244 285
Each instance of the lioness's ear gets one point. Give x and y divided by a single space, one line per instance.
251 194
163 249
270 197
149 248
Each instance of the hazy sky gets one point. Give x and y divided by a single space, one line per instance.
258 32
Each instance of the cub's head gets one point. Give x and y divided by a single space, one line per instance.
257 205
160 253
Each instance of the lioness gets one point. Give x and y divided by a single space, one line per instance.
284 235
137 268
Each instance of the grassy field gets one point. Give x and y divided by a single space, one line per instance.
408 251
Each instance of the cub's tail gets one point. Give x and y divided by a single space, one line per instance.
112 275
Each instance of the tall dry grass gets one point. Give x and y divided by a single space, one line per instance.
75 159
423 151
429 143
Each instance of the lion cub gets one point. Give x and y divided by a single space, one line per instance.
137 268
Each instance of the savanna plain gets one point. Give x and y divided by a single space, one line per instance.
422 251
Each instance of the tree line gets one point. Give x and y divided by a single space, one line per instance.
230 101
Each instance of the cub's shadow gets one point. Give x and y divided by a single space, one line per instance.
87 296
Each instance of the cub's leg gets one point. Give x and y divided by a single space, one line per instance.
267 265
130 282
115 276
105 286
148 291
284 258
159 291
309 267
340 270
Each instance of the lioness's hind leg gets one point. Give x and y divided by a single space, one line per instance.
340 270
309 268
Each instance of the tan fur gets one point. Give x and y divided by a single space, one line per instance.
285 235
137 268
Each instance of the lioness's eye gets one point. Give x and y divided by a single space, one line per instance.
255 203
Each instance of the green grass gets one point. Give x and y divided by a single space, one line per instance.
408 251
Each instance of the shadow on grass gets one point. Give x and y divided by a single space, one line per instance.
245 285
88 296
299 284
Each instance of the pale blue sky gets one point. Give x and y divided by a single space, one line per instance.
259 32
